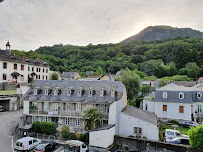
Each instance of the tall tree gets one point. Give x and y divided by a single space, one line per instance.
132 82
192 70
92 118
54 76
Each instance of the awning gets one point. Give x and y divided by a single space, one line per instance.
33 73
15 74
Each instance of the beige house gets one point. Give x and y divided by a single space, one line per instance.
70 76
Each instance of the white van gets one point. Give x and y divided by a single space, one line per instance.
170 134
26 143
74 145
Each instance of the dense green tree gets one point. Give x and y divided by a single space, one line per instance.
65 131
145 90
195 136
92 117
192 70
132 82
54 76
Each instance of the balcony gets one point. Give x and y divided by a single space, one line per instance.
72 113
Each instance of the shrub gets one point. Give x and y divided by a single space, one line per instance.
174 122
84 138
195 136
48 128
36 127
65 132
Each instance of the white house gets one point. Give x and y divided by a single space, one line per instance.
138 123
64 102
176 102
17 69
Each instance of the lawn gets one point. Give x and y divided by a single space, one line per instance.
7 92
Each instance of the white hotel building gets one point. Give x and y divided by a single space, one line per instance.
18 69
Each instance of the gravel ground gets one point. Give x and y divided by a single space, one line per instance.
9 121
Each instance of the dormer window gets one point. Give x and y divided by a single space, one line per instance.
164 94
35 91
55 92
69 92
199 95
46 92
102 92
112 93
90 92
79 92
181 95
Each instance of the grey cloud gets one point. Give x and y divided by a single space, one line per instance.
29 24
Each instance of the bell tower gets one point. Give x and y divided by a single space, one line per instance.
8 46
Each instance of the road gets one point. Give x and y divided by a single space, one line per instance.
9 122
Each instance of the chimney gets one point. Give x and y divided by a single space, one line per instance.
23 58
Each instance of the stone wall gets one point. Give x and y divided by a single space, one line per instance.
140 145
7 86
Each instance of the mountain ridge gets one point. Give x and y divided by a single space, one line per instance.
162 32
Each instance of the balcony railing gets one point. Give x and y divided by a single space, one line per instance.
62 113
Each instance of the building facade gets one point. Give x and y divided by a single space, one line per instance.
64 102
176 102
15 69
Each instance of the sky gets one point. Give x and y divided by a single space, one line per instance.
29 24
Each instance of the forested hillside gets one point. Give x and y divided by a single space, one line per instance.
152 33
160 58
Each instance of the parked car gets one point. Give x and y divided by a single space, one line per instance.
52 142
188 124
74 145
27 143
170 134
179 140
45 147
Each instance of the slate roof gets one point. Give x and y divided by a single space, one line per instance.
173 90
69 75
64 85
140 114
185 83
104 127
5 55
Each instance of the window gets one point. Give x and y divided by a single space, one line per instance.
33 119
46 78
181 109
78 106
46 70
46 92
101 108
4 65
79 92
164 107
4 77
55 92
146 107
199 95
28 68
35 91
39 69
43 70
30 142
15 67
137 130
181 95
112 93
22 77
46 106
34 140
164 94
77 122
32 68
45 119
22 67
67 121
101 92
90 92
67 106
69 92
36 76
39 77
